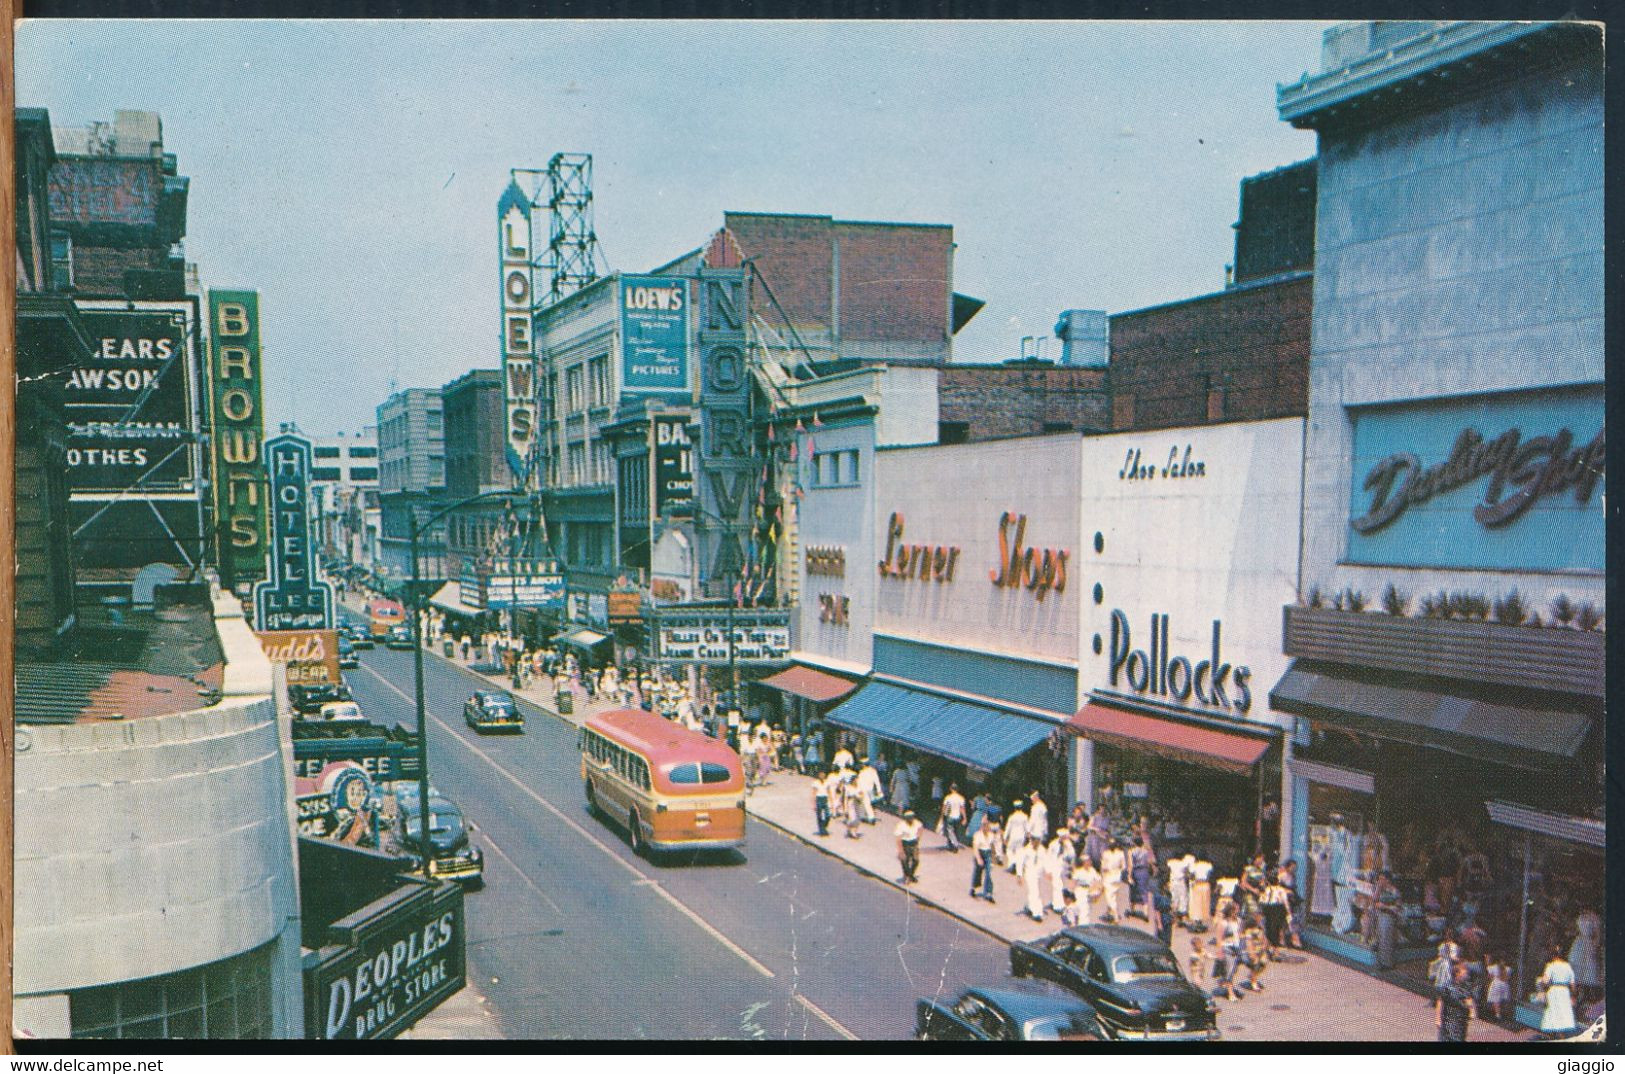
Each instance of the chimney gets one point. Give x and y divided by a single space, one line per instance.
1083 335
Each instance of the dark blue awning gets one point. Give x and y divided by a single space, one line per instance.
976 735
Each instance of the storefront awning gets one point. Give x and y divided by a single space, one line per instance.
581 639
815 686
1587 831
1177 741
975 735
449 598
1493 731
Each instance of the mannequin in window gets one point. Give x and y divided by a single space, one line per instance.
1321 899
1345 854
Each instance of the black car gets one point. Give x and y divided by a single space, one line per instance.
454 856
308 698
360 635
347 657
1130 978
399 638
1009 1012
493 710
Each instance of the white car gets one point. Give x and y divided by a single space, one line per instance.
340 712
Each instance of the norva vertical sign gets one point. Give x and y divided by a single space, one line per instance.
237 432
291 598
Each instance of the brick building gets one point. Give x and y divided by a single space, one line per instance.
1275 233
851 289
1238 355
475 461
118 209
1022 398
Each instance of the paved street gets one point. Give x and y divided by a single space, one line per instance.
574 936
798 938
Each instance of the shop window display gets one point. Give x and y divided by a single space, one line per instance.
1188 808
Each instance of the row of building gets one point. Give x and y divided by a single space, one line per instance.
1312 565
176 872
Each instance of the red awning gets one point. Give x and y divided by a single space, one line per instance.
815 686
1170 738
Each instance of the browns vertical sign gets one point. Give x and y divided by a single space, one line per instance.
238 429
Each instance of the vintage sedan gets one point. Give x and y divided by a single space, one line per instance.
1007 1013
452 853
493 710
308 698
399 638
1130 978
347 657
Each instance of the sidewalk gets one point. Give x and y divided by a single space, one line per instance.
1306 997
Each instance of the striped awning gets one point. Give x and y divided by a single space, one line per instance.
976 735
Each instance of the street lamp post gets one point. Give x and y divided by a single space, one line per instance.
416 530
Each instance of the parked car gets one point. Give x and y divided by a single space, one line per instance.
453 855
347 657
1007 1013
493 710
1129 977
340 712
360 636
308 698
399 637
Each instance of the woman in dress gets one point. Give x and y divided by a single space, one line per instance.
1557 981
1142 863
1499 997
1586 957
1086 887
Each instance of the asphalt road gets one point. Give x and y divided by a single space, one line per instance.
574 936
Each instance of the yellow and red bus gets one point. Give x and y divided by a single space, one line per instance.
384 615
669 787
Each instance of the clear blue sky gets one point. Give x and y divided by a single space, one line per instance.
349 171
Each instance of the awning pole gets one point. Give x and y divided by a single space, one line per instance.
1523 915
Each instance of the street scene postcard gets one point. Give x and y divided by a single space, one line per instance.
809 532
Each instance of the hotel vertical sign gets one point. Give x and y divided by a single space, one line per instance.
519 386
292 598
238 429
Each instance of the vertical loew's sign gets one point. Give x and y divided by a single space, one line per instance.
292 598
237 431
519 387
654 333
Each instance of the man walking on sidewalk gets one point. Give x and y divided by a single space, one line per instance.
982 844
821 801
908 845
868 789
953 818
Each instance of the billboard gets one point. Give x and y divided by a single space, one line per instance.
702 636
237 429
292 598
530 589
518 348
130 407
311 655
101 190
654 334
673 456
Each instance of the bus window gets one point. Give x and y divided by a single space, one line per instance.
684 774
713 773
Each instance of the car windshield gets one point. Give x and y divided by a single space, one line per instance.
1142 964
1078 1026
341 710
498 703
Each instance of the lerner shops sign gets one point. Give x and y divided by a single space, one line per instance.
399 963
1018 565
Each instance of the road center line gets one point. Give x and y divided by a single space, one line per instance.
818 1012
522 874
676 903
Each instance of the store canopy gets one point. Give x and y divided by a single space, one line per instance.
1498 731
449 598
815 686
581 639
1171 738
976 735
